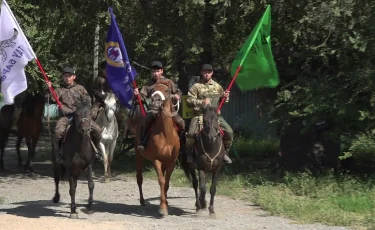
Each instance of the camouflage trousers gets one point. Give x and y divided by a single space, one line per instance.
195 126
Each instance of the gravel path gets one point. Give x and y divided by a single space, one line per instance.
25 203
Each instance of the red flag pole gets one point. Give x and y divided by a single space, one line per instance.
139 100
229 87
47 80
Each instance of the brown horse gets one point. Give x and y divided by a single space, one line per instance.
29 127
78 154
209 154
163 145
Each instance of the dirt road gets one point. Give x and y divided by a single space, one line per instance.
25 203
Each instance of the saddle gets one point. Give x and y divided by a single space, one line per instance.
200 127
62 141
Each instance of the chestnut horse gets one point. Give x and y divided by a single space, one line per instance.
163 144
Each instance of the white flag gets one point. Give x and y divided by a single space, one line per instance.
15 53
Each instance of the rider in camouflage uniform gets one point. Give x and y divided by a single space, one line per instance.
207 91
65 96
101 90
146 91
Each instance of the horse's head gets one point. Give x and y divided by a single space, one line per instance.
210 123
110 106
161 95
82 118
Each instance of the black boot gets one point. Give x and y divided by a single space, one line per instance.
143 136
98 156
58 152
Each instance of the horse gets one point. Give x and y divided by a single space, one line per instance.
29 126
78 154
163 145
108 122
209 154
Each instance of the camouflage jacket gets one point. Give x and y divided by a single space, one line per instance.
200 91
148 89
67 96
101 88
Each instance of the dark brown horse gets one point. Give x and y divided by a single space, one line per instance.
209 155
78 155
163 145
29 127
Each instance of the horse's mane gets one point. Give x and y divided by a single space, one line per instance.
210 112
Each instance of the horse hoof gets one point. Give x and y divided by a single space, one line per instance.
56 199
73 216
88 210
212 215
163 212
107 180
142 202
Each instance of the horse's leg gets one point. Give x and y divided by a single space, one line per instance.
18 146
72 192
168 174
4 134
110 157
195 186
215 176
163 210
56 177
139 165
30 144
202 188
2 147
31 155
105 160
90 184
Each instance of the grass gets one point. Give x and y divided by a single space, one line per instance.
340 200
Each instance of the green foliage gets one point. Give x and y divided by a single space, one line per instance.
254 148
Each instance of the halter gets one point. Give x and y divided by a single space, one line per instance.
217 154
86 119
163 98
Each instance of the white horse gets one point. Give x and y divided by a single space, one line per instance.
107 121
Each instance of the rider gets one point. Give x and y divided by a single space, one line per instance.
146 91
65 96
101 90
202 93
18 107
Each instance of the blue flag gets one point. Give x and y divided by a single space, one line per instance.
120 74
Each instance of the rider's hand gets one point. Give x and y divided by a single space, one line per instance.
206 101
49 84
226 93
176 96
136 91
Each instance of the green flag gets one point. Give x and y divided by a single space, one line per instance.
255 57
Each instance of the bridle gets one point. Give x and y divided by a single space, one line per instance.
163 98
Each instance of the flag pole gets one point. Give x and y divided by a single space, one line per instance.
47 81
139 100
34 55
229 87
